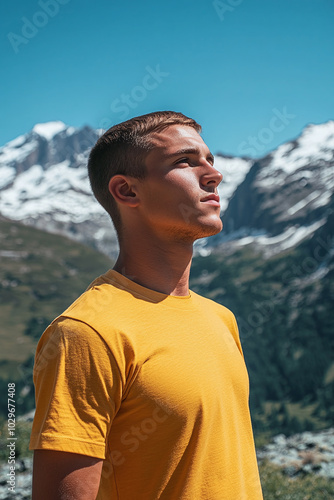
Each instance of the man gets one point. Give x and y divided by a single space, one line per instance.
141 386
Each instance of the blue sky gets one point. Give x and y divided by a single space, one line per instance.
252 72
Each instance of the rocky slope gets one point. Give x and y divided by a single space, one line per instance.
44 183
274 202
286 196
298 455
273 264
302 453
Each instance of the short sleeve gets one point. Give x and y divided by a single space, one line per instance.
236 333
78 390
231 323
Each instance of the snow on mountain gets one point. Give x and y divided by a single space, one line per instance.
285 197
289 238
7 175
58 185
296 160
44 182
60 191
49 130
17 150
234 170
315 143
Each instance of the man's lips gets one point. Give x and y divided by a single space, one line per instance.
212 199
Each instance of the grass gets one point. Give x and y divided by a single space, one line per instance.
287 348
303 412
277 485
40 275
22 433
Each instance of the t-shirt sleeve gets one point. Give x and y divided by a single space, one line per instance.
78 390
231 322
235 333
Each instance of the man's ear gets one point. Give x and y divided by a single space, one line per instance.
122 188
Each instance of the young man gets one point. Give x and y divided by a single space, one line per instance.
141 386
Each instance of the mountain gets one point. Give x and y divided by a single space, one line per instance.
44 183
41 274
286 196
273 202
273 264
283 304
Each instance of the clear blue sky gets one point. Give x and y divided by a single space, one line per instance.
233 65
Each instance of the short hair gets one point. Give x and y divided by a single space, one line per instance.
122 150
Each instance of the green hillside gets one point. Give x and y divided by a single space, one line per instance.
40 275
284 310
283 306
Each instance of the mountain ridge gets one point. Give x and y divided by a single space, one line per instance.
273 264
44 183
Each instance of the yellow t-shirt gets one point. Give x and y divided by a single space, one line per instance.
156 385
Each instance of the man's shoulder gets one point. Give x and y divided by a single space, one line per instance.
101 297
226 316
219 309
102 294
94 315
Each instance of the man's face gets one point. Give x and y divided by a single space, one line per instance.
178 197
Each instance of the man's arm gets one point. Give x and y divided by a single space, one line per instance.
59 475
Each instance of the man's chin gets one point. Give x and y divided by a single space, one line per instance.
210 229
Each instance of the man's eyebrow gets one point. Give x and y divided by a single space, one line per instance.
189 151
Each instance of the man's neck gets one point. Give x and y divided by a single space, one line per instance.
160 266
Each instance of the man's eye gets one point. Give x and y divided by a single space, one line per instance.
182 160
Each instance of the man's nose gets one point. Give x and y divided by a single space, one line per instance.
212 176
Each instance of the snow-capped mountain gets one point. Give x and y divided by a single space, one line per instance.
274 202
234 170
44 182
286 195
